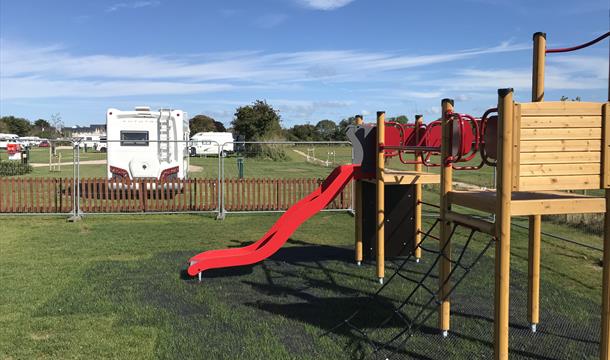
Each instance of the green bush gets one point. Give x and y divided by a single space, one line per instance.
13 168
272 152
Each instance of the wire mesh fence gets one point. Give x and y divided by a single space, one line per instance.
70 178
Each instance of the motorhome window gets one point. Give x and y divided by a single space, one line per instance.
134 138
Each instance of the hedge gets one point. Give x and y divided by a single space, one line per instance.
12 168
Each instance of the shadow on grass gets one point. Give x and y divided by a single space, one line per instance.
304 285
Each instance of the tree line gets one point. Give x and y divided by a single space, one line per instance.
261 122
23 127
258 121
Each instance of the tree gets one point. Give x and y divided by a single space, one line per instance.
42 124
305 132
3 127
220 127
14 125
326 129
401 119
565 98
258 121
43 129
201 123
57 122
342 127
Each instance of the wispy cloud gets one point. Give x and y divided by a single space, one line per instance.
305 109
36 87
133 5
54 62
269 21
325 4
29 71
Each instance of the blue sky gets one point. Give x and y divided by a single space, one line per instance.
310 59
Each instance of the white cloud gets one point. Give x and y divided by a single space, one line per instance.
133 5
35 87
28 71
419 94
306 109
26 64
325 4
586 73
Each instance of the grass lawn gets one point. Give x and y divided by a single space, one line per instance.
295 166
113 287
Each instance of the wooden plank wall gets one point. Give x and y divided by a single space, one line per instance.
559 146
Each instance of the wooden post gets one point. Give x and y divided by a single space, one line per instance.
538 73
604 348
445 207
604 351
358 205
535 220
533 298
419 119
380 197
503 217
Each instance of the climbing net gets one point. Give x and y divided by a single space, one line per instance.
411 313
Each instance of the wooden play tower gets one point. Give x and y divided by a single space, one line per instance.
543 150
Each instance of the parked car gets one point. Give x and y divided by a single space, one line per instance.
44 144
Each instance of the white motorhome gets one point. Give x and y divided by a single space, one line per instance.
147 144
102 145
208 143
6 139
30 140
90 141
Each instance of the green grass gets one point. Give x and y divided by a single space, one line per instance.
296 166
112 287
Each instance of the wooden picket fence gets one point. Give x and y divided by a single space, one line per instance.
99 195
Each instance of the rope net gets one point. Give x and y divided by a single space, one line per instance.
401 318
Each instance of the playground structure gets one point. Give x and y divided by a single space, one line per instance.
540 149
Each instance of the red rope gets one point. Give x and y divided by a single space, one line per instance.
578 47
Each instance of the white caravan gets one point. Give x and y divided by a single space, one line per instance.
30 140
102 145
147 144
208 143
6 139
90 141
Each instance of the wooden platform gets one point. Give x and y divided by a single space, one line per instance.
396 177
531 203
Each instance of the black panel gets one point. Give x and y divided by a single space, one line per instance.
399 219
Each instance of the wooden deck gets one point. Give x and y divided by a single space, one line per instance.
531 203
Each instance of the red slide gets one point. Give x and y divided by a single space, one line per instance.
280 231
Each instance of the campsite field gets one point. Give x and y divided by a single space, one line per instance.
296 165
114 287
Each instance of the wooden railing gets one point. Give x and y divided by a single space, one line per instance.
99 195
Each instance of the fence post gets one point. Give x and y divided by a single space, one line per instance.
143 193
221 186
76 182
